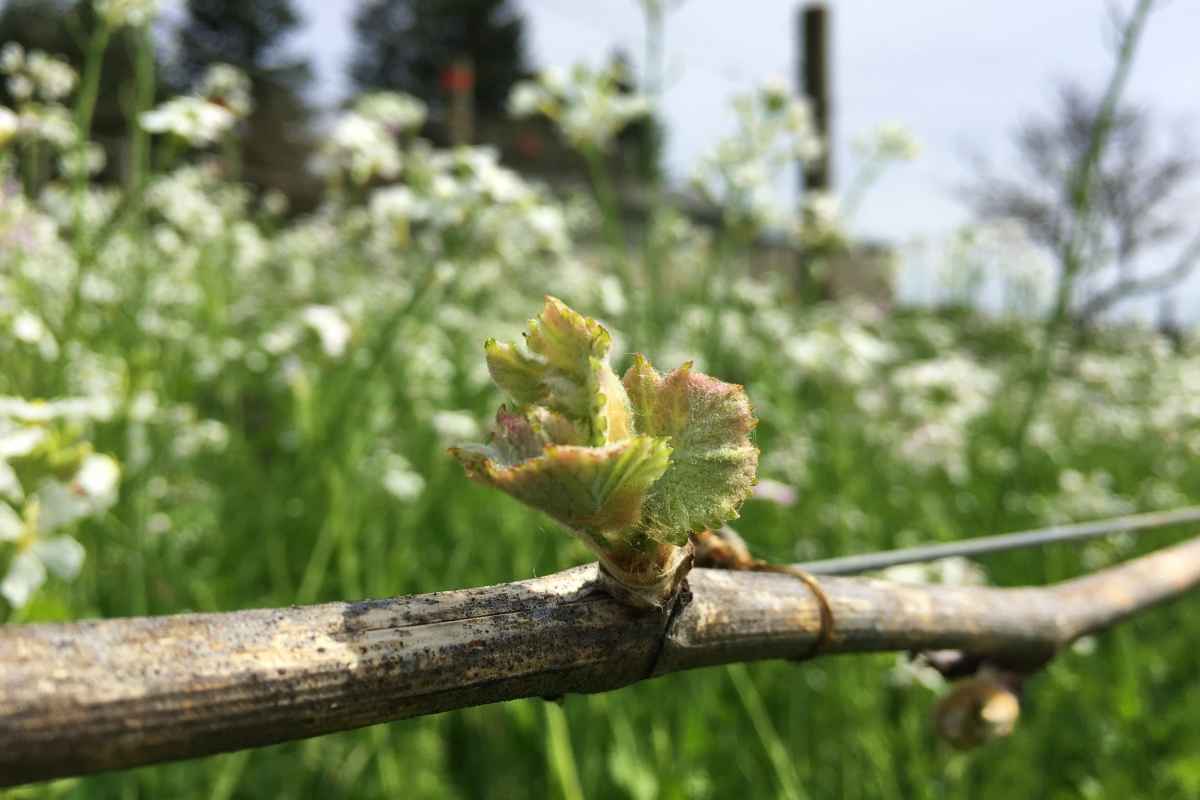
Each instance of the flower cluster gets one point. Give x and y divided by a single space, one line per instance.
889 142
221 100
588 106
463 204
10 125
227 86
773 131
400 114
36 76
39 84
364 143
49 481
132 13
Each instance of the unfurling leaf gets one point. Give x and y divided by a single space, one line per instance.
595 490
713 463
630 466
565 369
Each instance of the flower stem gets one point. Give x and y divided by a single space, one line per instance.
614 229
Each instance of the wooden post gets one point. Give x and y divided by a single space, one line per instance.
459 81
814 84
812 77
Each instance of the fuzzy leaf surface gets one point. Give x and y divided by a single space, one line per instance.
596 490
713 462
564 367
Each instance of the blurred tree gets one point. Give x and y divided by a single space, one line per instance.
408 45
252 36
1139 213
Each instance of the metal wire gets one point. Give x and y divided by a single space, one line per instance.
866 562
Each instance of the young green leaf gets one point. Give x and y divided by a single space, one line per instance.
630 466
713 464
598 491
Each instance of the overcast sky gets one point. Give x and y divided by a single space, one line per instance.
958 74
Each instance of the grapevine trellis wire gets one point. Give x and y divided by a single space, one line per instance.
983 545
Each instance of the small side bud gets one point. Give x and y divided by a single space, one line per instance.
976 711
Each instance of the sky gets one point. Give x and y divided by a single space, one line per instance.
958 74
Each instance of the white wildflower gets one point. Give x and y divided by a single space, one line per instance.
25 575
280 339
10 483
527 98
19 408
60 555
197 121
29 328
54 505
936 444
143 406
392 204
189 199
775 92
1084 645
20 87
590 108
275 203
890 141
773 130
361 148
397 112
12 58
11 524
134 13
96 407
455 426
909 671
227 86
50 123
550 225
400 479
10 125
52 77
612 296
192 437
20 441
84 162
955 387
97 479
92 491
1083 496
331 328
823 207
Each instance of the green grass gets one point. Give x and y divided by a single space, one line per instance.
259 525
